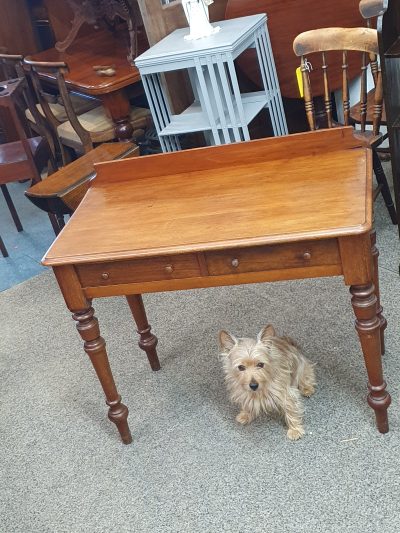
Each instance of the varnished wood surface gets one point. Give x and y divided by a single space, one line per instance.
60 16
60 183
288 18
16 29
98 48
338 38
231 198
283 208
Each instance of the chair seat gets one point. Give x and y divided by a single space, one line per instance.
14 152
80 104
14 164
97 121
355 110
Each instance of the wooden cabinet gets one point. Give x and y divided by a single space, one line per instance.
17 34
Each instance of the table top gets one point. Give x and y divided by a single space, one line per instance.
285 21
306 186
175 47
97 48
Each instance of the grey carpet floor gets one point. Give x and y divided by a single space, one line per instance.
191 468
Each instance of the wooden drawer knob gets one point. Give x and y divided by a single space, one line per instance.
169 269
307 256
235 263
105 275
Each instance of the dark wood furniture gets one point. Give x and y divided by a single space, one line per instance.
98 48
9 64
21 159
388 27
61 193
365 42
94 126
12 67
369 11
213 216
286 20
16 30
97 12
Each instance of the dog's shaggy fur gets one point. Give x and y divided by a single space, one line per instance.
265 375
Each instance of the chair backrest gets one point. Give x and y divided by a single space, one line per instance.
362 40
11 66
11 94
370 9
57 70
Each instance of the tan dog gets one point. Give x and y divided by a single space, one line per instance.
266 375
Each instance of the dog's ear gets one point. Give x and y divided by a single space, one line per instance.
226 341
267 331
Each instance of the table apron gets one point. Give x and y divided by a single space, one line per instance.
212 281
307 259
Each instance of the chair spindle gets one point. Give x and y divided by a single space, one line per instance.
308 100
327 93
363 91
373 59
378 104
345 90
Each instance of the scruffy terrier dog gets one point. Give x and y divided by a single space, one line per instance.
265 375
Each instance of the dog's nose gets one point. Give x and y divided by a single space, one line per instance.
253 386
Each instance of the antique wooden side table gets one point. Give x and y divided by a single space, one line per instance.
273 209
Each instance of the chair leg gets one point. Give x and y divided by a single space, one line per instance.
382 181
3 248
11 207
57 222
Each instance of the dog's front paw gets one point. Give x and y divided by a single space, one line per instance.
295 433
308 390
244 418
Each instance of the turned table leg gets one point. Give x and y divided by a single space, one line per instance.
368 326
147 341
382 319
95 347
118 106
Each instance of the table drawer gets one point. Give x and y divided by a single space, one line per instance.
139 270
275 257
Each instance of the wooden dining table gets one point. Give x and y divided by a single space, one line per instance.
101 47
282 208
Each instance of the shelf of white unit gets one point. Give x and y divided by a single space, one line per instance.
194 119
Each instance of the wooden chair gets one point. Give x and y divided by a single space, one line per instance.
81 132
370 9
19 160
363 41
12 66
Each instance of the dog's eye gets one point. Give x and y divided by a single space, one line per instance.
260 365
241 368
